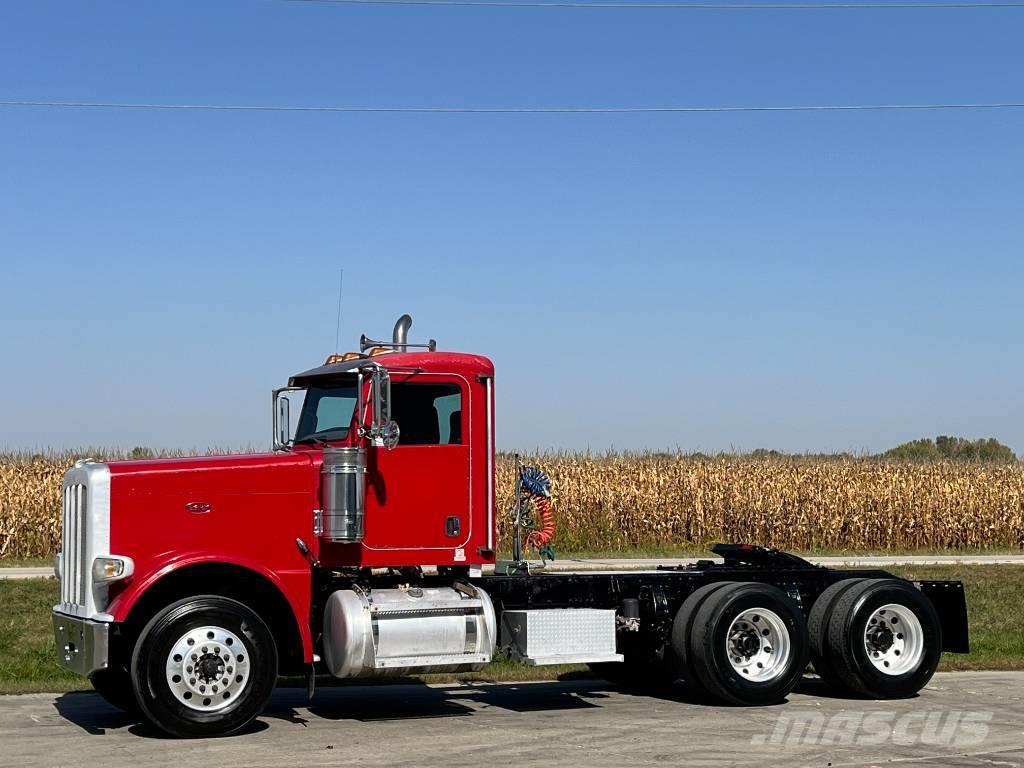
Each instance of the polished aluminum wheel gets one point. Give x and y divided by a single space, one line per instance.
894 639
208 668
758 645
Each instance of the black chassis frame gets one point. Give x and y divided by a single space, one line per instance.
660 592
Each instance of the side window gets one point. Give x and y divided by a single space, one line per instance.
427 414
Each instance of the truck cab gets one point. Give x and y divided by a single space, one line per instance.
424 423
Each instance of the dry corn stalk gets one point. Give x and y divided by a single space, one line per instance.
622 502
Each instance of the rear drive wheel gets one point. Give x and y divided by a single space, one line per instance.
204 666
884 639
817 630
114 684
749 644
682 628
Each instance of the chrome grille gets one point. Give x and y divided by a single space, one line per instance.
85 536
73 540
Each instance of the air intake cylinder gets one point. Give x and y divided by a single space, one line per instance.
343 495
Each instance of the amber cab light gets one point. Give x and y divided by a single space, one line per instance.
332 359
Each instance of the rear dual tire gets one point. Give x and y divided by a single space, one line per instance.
878 638
741 643
817 628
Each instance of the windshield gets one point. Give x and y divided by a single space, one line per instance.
327 411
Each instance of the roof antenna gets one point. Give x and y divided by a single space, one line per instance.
337 327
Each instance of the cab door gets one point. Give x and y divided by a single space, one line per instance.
418 494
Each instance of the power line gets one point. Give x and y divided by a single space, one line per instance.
684 6
508 110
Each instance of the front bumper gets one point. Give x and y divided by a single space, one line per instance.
82 645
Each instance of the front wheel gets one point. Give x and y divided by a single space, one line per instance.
204 666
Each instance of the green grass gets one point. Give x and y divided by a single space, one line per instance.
994 613
27 654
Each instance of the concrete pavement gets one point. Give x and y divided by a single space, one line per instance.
26 573
961 719
646 563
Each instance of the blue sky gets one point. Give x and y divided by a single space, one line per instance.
840 281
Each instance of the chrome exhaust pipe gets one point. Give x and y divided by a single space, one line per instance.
399 339
400 336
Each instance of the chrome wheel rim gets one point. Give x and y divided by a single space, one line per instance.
208 668
894 639
758 645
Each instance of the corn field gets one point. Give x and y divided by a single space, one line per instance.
650 501
657 500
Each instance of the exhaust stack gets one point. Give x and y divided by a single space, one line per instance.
399 337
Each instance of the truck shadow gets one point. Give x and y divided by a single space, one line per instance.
815 686
417 701
362 703
407 700
90 712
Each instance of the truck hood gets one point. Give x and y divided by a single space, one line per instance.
246 510
236 473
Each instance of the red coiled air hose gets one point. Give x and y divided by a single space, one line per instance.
545 533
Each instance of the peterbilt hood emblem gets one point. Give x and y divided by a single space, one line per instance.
198 507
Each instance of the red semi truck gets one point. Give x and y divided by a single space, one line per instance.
358 548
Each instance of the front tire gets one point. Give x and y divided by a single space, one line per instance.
204 666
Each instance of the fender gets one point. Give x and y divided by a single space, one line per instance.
294 586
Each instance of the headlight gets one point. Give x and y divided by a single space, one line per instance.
112 568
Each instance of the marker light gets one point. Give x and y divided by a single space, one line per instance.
332 359
112 568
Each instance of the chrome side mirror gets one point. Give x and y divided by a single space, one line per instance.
282 418
381 430
390 434
381 398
